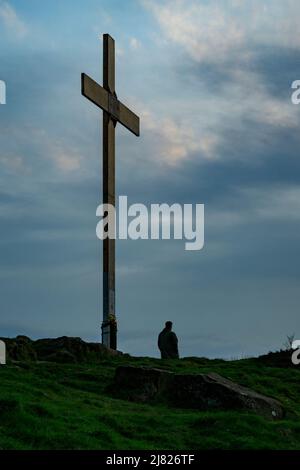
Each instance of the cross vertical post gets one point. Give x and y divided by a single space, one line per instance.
109 333
113 112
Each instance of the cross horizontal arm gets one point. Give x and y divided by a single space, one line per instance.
109 103
94 92
130 120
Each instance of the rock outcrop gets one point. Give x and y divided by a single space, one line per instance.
201 391
63 350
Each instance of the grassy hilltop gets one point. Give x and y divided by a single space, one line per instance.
47 405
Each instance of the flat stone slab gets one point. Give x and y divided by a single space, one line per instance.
201 391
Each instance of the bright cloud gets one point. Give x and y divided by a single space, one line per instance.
134 44
282 203
277 203
218 31
175 142
11 20
227 35
13 163
67 162
247 95
204 30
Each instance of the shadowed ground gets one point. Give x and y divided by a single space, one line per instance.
47 405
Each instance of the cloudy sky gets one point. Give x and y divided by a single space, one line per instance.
211 81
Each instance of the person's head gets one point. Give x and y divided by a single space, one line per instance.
169 325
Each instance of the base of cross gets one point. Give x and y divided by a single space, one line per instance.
109 333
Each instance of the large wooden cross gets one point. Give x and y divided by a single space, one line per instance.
114 111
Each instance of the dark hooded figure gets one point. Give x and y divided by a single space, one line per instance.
168 342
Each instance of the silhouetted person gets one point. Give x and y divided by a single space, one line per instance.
168 342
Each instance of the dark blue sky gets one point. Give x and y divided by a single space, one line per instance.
211 81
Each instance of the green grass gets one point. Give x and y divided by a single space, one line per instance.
56 406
